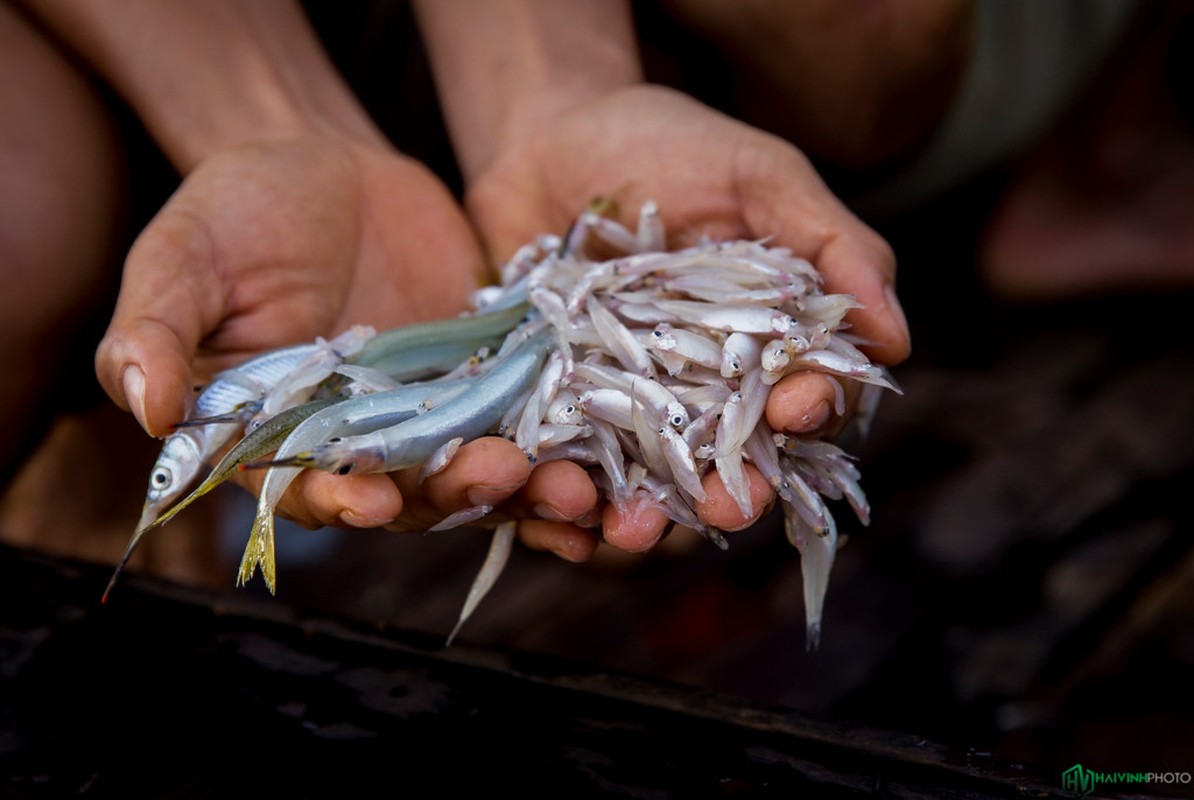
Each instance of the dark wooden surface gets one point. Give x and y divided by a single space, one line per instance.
173 692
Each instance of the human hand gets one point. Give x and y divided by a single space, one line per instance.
278 242
712 176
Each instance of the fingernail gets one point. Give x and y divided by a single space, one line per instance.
897 311
489 495
544 511
133 381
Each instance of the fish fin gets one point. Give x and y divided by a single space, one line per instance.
209 483
259 551
239 413
303 459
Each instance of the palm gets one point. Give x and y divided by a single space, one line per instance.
313 241
274 244
635 144
711 175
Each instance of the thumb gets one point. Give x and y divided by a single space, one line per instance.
169 300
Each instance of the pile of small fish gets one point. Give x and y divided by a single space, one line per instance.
649 367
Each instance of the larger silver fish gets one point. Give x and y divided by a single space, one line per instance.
230 395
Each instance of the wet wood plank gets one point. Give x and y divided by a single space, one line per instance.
174 692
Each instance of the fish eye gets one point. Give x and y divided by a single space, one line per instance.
344 470
161 478
571 409
677 420
658 334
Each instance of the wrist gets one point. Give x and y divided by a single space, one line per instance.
505 68
262 107
207 76
273 81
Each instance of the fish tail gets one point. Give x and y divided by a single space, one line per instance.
812 636
259 551
304 459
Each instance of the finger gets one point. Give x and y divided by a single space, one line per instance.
720 510
166 305
634 527
569 542
318 498
559 491
485 471
810 403
355 501
784 197
851 264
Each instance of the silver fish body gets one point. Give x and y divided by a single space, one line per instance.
186 450
411 442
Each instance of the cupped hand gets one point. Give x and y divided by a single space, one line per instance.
711 176
272 244
278 242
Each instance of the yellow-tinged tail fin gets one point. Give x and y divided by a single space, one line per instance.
259 551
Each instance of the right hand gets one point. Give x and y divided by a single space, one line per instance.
277 242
